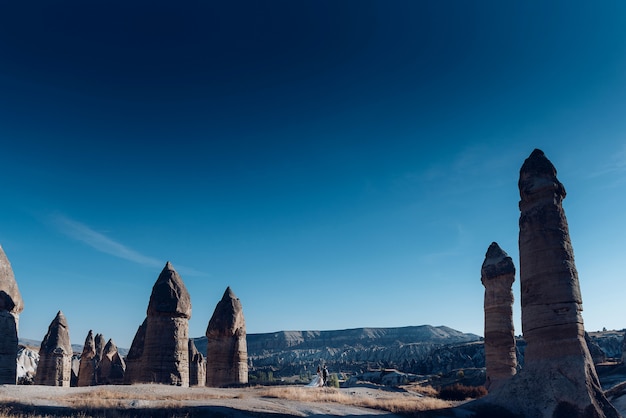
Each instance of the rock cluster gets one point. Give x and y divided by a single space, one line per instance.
160 352
558 375
197 366
498 275
55 355
227 354
11 306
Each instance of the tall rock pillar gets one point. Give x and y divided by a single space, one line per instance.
498 275
165 357
11 305
55 355
88 362
558 378
227 352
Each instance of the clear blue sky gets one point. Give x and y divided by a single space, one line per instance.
338 164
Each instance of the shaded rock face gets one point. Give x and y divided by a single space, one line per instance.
498 275
112 366
197 366
88 362
133 372
55 355
165 354
227 353
11 305
558 378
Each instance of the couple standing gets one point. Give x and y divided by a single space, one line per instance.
321 379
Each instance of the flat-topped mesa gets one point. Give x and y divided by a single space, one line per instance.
227 353
11 305
88 362
112 366
197 366
165 357
498 275
55 355
558 378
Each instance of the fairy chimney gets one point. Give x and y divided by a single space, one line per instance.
88 362
558 377
112 366
227 353
133 372
55 355
165 357
498 275
197 366
11 305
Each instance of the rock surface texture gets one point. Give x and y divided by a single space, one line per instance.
197 366
88 362
498 275
112 366
558 378
11 305
133 372
227 353
165 356
55 355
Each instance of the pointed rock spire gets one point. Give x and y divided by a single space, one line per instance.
112 366
498 275
87 368
169 295
55 355
133 372
197 366
227 353
11 305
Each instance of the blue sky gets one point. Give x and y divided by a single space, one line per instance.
338 164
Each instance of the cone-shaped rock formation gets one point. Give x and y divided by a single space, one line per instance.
558 378
11 305
112 366
227 353
55 355
197 366
498 275
165 354
88 362
133 358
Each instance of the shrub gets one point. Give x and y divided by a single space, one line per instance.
459 392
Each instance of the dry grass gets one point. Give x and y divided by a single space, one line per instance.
394 403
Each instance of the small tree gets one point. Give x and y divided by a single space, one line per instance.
333 380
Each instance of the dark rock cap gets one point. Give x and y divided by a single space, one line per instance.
58 336
169 295
538 177
10 297
228 315
497 263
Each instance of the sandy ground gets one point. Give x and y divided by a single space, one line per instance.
198 401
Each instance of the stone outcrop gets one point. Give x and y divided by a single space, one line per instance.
165 354
197 366
55 355
88 362
227 353
133 372
11 305
112 366
558 378
498 275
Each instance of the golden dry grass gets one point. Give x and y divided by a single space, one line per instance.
392 403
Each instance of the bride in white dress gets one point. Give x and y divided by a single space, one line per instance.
318 381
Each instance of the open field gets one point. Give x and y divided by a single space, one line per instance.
171 401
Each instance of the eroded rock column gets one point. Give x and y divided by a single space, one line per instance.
227 352
11 305
55 355
88 362
498 275
133 372
558 378
197 366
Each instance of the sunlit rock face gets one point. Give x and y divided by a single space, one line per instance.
55 355
558 378
197 366
227 353
11 305
498 275
88 362
165 354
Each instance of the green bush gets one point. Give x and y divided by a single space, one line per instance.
333 381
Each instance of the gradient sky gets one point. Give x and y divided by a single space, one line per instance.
338 164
